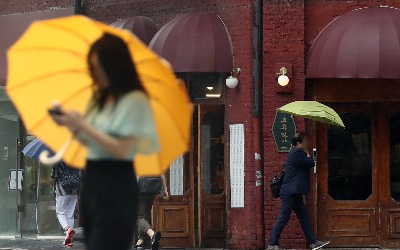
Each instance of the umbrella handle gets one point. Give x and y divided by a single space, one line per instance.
44 156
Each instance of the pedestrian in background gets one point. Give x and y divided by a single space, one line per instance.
66 182
144 218
296 184
118 124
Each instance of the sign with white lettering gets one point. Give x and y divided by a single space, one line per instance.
283 129
12 181
176 177
236 143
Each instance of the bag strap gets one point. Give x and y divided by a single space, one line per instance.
282 168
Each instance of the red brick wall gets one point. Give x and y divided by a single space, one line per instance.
237 16
290 27
21 6
283 43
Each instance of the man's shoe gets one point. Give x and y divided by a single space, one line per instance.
155 240
276 247
318 244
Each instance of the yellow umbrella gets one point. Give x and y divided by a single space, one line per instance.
49 62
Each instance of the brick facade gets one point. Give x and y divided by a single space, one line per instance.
237 16
8 7
283 44
289 28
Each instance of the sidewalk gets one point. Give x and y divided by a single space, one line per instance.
54 243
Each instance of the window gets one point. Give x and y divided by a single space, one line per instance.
349 158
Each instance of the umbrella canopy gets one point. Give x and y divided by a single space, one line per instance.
143 27
49 62
34 149
313 110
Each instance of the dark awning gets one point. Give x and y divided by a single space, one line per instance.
12 27
195 42
143 27
365 43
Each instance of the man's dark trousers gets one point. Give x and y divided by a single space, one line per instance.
293 202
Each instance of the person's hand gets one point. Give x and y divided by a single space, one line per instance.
72 119
165 194
308 155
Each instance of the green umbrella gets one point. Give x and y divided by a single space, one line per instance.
313 110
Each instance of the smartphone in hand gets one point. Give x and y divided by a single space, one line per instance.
55 111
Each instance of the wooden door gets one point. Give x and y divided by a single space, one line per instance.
211 178
173 217
389 179
194 215
358 177
347 178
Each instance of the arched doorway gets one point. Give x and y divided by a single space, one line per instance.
358 171
198 46
357 181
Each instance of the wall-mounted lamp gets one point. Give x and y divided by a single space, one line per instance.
231 81
285 73
283 80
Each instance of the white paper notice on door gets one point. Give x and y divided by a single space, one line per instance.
176 177
12 181
237 164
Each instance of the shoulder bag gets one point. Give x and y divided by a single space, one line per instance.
277 182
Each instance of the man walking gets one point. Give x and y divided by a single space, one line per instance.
66 181
296 184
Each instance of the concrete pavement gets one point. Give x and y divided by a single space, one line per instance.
54 243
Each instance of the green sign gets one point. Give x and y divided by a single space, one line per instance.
283 129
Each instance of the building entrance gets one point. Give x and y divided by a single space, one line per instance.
194 216
358 168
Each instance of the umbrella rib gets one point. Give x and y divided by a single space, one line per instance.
21 84
68 30
38 48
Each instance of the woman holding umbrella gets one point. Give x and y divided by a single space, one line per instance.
118 124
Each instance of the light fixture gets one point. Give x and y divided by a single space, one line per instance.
212 92
231 82
283 80
213 95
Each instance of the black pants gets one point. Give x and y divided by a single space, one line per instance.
109 199
291 203
144 214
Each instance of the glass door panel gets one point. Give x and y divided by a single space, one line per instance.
349 158
8 163
347 178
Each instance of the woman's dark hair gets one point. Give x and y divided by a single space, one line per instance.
114 57
298 138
